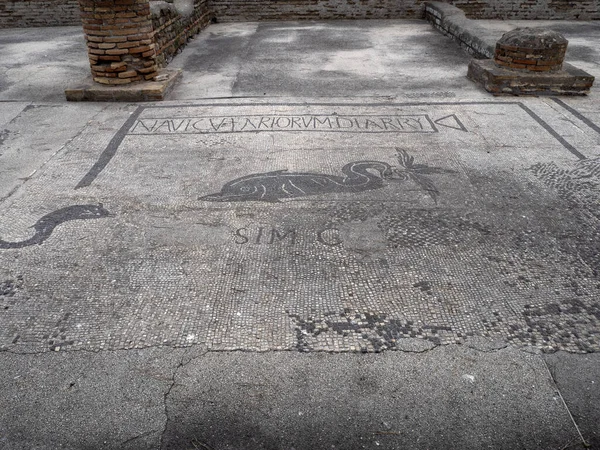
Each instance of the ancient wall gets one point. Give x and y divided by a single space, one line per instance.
530 9
29 13
250 10
38 13
452 22
173 27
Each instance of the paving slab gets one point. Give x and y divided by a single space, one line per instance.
107 400
452 398
479 395
32 134
9 111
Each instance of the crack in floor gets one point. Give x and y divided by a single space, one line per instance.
557 389
184 361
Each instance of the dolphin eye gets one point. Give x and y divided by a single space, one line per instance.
245 189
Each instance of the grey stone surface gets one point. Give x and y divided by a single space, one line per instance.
401 58
533 38
9 111
368 58
38 64
578 378
450 398
452 21
106 400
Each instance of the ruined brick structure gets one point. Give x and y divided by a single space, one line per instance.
530 61
24 13
172 29
530 9
251 10
533 50
130 40
120 40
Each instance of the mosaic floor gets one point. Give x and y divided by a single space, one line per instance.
307 227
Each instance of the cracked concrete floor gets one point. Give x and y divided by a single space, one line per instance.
473 396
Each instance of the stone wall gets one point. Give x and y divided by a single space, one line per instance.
38 13
452 22
173 27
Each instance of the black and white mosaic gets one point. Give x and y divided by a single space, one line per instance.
46 225
414 223
359 176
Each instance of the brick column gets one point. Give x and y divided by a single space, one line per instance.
120 40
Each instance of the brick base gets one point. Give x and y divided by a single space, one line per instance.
143 91
502 81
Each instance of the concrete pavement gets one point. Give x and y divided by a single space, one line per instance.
354 247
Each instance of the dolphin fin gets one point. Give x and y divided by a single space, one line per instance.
275 172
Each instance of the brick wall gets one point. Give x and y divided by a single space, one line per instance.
38 13
530 9
250 10
30 13
172 28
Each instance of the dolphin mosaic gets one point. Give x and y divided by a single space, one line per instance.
358 176
46 225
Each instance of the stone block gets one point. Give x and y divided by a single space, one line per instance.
140 91
504 81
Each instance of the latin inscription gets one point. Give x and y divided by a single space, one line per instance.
420 123
288 236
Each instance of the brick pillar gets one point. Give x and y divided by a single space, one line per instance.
120 40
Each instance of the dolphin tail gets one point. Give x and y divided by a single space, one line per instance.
21 244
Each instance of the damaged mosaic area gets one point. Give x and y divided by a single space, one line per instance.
352 247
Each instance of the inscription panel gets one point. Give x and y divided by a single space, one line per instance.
328 123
